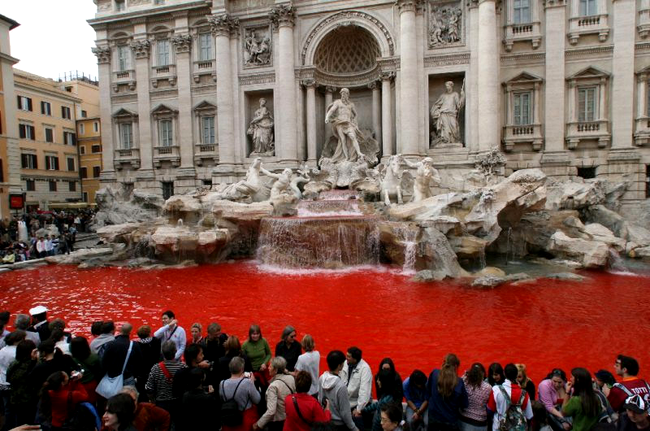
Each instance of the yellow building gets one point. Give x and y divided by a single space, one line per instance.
89 139
9 153
48 143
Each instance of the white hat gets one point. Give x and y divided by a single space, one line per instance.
39 309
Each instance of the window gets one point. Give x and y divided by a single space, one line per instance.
205 46
647 181
30 185
71 164
96 171
26 131
587 104
82 149
72 186
521 9
96 148
166 135
65 112
158 1
96 126
49 134
120 5
46 108
82 129
69 138
24 103
207 127
2 172
84 114
123 58
163 52
126 135
522 108
167 189
587 173
29 161
207 183
588 7
52 185
52 163
85 196
84 172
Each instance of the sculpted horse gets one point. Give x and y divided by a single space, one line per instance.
391 180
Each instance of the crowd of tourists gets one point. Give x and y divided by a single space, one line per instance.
170 379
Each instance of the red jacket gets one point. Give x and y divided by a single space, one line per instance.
68 396
310 409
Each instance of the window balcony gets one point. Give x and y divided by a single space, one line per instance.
124 77
163 73
522 33
588 130
644 19
583 25
127 157
204 152
204 67
642 131
167 154
523 134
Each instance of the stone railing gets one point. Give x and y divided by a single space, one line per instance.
169 153
123 77
522 134
530 31
161 73
642 131
204 67
588 130
123 157
593 24
206 152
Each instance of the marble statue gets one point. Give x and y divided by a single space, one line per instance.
342 115
261 131
391 179
444 26
257 51
425 177
444 114
250 188
281 191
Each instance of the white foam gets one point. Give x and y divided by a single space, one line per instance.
307 272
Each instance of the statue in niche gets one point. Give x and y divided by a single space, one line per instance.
261 131
425 177
342 115
444 114
257 49
444 26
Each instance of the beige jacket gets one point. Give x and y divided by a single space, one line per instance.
281 386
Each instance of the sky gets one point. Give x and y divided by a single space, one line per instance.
53 36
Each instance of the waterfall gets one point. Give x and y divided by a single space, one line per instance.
22 232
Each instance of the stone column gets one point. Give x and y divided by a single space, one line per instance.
488 76
310 85
602 104
376 111
536 106
221 27
141 49
472 132
109 144
642 100
624 15
283 18
386 114
409 111
554 85
183 43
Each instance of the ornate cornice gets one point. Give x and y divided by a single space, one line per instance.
308 82
387 75
103 54
409 5
223 24
283 16
580 53
141 48
257 78
182 43
528 57
446 59
554 3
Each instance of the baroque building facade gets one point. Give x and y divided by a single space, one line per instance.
555 84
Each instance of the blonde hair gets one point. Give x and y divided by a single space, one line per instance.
197 326
307 343
522 370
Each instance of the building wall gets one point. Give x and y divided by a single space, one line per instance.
90 156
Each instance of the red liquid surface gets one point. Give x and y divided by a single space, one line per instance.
544 324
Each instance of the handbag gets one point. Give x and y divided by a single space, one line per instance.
110 386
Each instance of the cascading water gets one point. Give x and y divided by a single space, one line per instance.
22 232
408 236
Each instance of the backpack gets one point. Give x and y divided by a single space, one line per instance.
230 414
513 419
83 418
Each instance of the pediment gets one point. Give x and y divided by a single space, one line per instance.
124 113
589 72
645 70
524 77
204 105
164 109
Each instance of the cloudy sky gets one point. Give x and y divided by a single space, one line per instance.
53 36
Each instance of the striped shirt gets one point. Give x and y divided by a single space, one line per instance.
158 384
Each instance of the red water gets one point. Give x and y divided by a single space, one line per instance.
544 324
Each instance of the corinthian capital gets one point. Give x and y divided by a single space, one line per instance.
283 15
141 48
409 5
223 24
103 54
182 43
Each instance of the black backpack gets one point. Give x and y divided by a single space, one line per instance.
230 414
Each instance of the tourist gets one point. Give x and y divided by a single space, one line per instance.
474 416
583 405
415 392
388 364
196 333
159 384
60 341
390 393
391 417
108 335
282 384
39 322
604 378
148 417
309 362
120 413
96 329
288 348
90 363
302 409
447 394
551 394
170 331
22 323
332 389
241 388
59 395
120 350
150 348
51 360
257 349
7 356
197 407
506 394
635 417
524 381
495 374
540 418
357 375
233 349
183 381
627 369
213 343
23 396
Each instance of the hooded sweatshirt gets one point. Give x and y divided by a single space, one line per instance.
333 389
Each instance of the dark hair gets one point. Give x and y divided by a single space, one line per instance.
144 331
96 328
57 323
24 350
303 382
393 411
476 375
418 378
54 382
108 327
630 364
557 372
168 350
123 406
539 415
511 371
584 388
47 347
254 328
170 314
56 335
4 317
15 337
232 346
334 359
191 353
605 377
355 352
196 377
448 377
388 361
79 348
495 368
386 383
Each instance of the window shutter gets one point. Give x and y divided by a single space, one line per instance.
19 104
517 109
29 104
21 131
